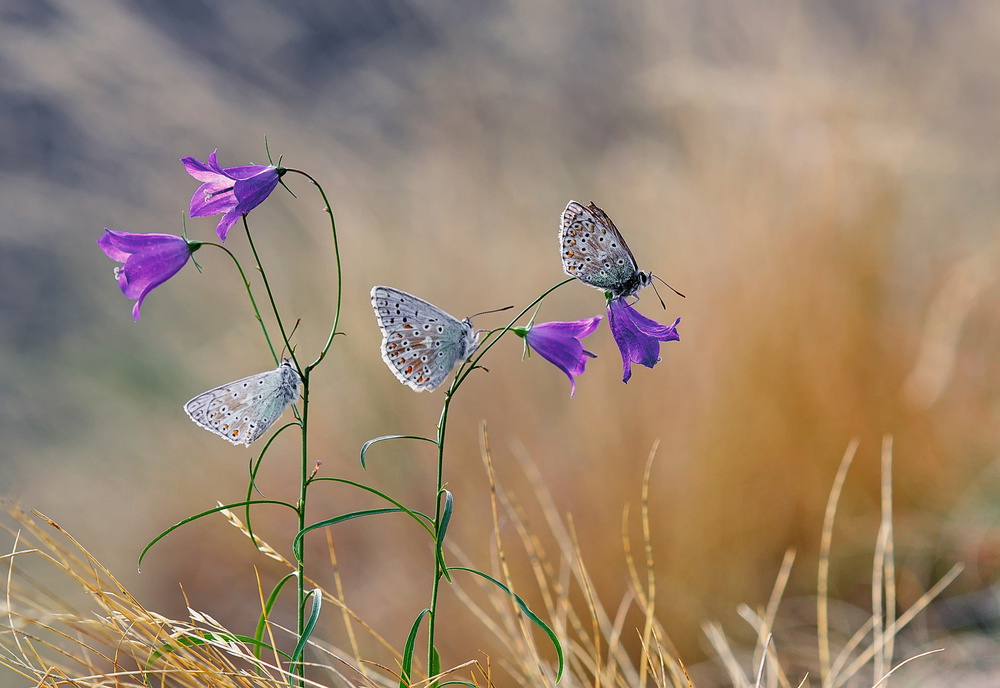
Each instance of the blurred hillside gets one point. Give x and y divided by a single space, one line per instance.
818 178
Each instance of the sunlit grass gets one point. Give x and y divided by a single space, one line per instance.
108 638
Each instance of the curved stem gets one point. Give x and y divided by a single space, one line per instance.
253 301
340 278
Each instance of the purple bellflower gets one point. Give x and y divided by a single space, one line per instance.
637 336
148 260
559 344
234 191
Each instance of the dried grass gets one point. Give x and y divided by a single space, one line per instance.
111 639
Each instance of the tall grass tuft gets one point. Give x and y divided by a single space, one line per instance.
106 637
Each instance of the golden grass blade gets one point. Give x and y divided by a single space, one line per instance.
823 575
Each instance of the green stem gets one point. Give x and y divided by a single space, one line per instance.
340 278
253 301
300 585
470 365
270 297
301 595
439 544
463 372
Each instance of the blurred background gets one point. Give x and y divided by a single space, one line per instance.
819 178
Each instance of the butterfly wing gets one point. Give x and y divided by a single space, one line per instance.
420 342
594 251
243 410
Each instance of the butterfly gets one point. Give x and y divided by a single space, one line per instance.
594 251
243 410
420 342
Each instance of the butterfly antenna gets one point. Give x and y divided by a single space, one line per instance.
495 310
669 287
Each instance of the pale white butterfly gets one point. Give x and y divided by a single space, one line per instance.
243 410
420 342
594 251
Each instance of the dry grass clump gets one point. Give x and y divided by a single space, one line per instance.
109 638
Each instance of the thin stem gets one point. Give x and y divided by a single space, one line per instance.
270 297
253 301
463 372
300 584
340 279
470 365
305 373
438 556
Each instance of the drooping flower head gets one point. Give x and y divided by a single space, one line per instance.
234 191
637 336
148 260
559 344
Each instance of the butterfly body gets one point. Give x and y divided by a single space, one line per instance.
420 342
594 251
241 411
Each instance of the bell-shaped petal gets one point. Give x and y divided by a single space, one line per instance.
230 191
559 344
148 260
637 336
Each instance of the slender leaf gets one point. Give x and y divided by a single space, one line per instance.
423 519
297 542
449 504
435 667
266 611
411 642
317 597
527 611
252 485
369 443
203 514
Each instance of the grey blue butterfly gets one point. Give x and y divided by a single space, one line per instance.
421 343
243 410
594 251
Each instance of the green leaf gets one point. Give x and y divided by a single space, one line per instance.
255 465
435 667
266 612
449 504
317 597
411 642
297 542
369 443
423 519
203 514
527 611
